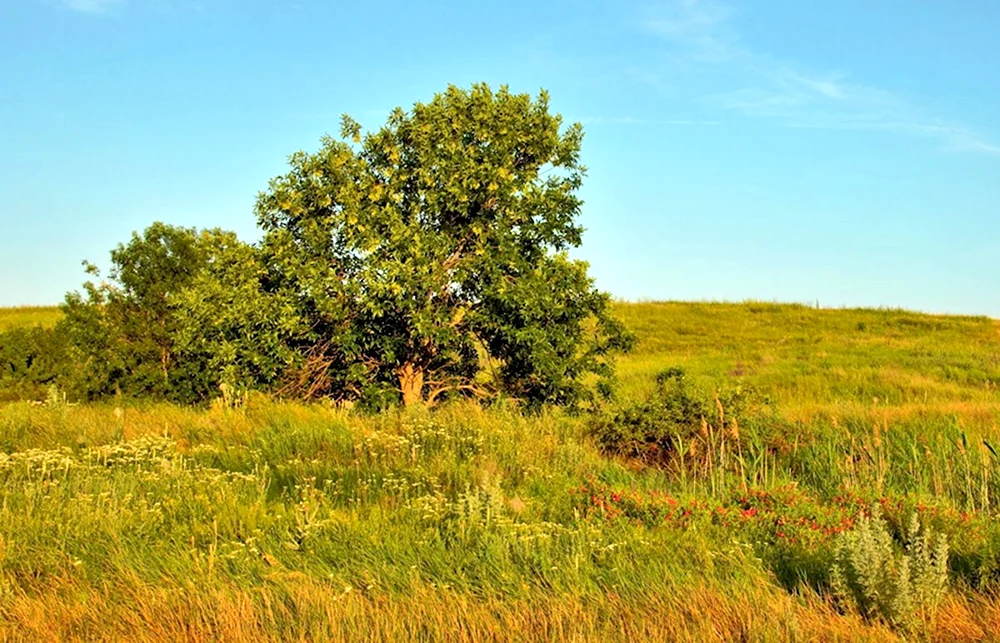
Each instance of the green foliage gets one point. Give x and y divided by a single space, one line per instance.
31 358
871 576
679 417
428 258
430 254
226 313
123 331
652 429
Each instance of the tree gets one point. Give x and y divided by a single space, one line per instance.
123 330
248 328
430 255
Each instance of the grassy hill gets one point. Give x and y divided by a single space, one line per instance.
283 521
812 361
29 316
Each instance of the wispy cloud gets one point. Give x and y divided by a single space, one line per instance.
94 6
699 26
702 33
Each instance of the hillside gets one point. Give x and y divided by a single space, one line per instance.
29 316
821 360
283 521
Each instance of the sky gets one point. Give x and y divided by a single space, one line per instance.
834 153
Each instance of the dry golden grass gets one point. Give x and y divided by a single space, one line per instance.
295 608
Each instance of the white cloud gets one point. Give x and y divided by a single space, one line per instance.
701 33
827 87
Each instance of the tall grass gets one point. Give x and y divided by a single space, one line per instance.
301 519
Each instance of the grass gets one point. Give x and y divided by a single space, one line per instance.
282 521
814 360
46 316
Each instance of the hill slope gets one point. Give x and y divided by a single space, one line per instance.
46 316
811 360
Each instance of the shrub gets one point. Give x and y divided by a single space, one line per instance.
122 331
649 430
31 359
872 577
679 418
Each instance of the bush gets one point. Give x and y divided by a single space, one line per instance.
650 430
122 330
31 359
870 576
680 418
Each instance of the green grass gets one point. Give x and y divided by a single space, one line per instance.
809 359
46 316
283 521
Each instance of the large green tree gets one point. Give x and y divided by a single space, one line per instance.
430 255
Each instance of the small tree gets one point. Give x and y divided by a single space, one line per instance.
123 330
430 254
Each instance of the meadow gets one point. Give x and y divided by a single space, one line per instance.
272 520
46 316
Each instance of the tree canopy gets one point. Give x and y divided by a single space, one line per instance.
437 244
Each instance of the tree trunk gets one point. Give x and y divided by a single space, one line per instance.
164 361
411 383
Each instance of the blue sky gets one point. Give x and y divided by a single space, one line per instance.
798 150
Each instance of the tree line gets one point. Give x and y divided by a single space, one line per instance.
424 260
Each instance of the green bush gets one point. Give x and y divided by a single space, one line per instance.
650 430
681 418
31 359
122 330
